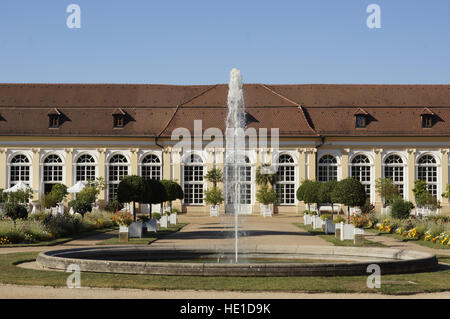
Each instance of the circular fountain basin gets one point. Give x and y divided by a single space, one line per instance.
257 260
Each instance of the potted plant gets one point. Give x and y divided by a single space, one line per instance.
213 196
359 221
124 219
337 226
266 196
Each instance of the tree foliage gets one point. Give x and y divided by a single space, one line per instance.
214 176
213 196
266 195
387 190
263 179
15 211
80 206
131 189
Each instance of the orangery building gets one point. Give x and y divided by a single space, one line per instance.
65 133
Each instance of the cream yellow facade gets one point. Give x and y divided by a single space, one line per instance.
305 154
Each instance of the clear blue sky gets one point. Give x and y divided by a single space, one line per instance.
199 41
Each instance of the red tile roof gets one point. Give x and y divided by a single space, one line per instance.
155 110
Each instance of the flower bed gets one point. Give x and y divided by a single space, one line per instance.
435 229
44 227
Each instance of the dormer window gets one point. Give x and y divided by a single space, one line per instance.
360 121
427 118
427 121
54 117
118 121
118 118
361 118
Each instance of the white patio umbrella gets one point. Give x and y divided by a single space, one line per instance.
20 186
77 187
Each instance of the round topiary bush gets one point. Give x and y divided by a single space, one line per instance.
401 209
15 211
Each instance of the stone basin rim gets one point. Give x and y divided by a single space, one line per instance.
397 261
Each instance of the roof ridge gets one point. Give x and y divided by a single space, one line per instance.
179 105
295 103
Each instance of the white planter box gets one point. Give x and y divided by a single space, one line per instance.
347 231
173 220
214 210
152 225
135 230
266 210
163 221
123 229
317 222
329 227
307 219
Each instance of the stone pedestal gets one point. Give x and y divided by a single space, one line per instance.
123 234
337 233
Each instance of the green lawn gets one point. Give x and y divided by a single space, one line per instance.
414 241
335 241
59 241
146 239
391 284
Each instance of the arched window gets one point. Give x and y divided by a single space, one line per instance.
427 171
85 168
327 169
361 171
118 168
53 172
285 186
394 169
193 180
151 167
243 181
19 170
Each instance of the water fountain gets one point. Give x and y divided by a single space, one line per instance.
257 260
235 149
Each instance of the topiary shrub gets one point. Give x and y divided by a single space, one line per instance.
15 211
80 206
401 209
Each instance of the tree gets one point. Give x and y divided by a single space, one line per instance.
173 191
15 211
20 196
154 193
88 194
387 190
81 206
49 200
60 191
266 195
214 176
213 196
264 179
421 193
131 189
349 192
308 192
325 191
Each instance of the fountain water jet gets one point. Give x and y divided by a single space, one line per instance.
235 147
